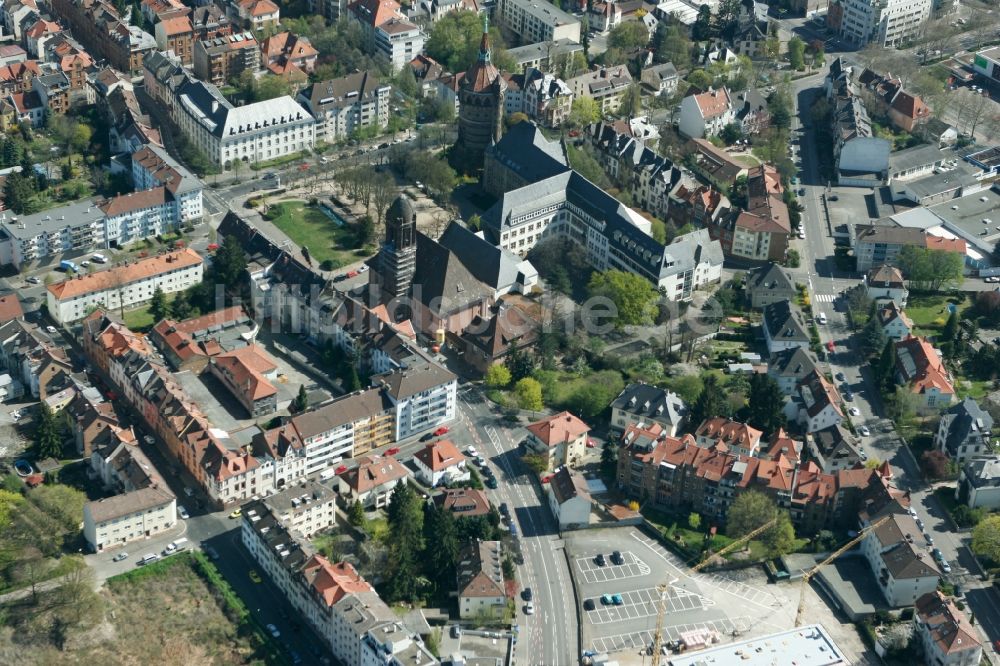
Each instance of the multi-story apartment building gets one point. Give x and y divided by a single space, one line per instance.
253 133
784 328
76 227
885 23
152 166
675 472
875 245
247 373
545 98
341 106
561 439
99 27
644 404
305 508
219 60
737 438
705 114
945 633
256 15
118 520
176 34
534 21
897 554
347 427
605 85
788 367
339 605
422 397
768 284
124 286
964 431
387 31
481 590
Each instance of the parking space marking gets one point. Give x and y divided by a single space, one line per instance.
632 567
642 639
637 604
748 593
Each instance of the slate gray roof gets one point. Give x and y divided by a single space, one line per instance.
543 50
651 401
525 151
491 265
770 277
784 323
212 110
402 384
442 282
963 421
981 472
664 71
797 362
835 441
339 93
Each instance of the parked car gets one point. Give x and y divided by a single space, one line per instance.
526 594
865 432
33 280
120 556
854 411
607 600
821 318
182 512
51 329
945 567
529 608
616 558
392 451
254 576
443 430
840 377
236 513
589 605
471 452
428 437
937 555
848 396
591 443
273 630
599 560
617 599
547 478
504 511
491 482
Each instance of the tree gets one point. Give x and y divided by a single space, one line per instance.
935 464
694 520
514 118
671 44
749 511
873 337
702 28
48 436
406 524
609 456
633 296
931 269
901 404
584 163
591 399
711 402
356 514
700 79
230 262
529 394
585 111
731 133
765 404
301 401
406 82
498 376
19 192
441 531
384 192
986 538
158 306
780 539
796 53
631 105
950 331
454 40
628 36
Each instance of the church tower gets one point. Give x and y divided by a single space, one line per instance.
398 256
481 103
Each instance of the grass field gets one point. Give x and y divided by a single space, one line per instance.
309 227
929 312
745 159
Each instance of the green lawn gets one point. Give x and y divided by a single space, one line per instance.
746 160
140 319
929 312
308 226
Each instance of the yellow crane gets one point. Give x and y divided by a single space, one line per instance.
807 576
663 588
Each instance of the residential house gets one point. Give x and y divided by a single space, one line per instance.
569 499
919 366
790 366
886 283
285 49
105 34
545 98
751 112
660 79
769 284
964 431
257 15
210 21
894 321
561 439
899 559
979 483
605 85
439 463
481 590
862 158
784 327
463 502
737 438
345 105
488 341
761 232
388 33
247 373
372 481
945 634
705 114
816 404
307 508
121 519
714 164
644 404
834 449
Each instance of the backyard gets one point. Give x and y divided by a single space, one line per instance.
308 226
929 312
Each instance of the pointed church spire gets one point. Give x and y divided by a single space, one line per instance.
484 45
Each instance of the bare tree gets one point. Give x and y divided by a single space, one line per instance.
383 192
32 569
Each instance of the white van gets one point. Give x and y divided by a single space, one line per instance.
327 474
99 258
178 544
147 558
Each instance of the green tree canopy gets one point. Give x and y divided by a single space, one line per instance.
628 36
158 304
671 44
48 434
931 269
873 337
454 40
498 376
230 262
584 111
633 296
753 509
529 394
765 404
986 538
406 524
711 402
796 53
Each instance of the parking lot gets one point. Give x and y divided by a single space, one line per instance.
727 606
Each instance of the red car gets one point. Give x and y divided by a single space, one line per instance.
393 451
212 247
352 274
340 470
829 345
591 443
996 645
443 430
546 478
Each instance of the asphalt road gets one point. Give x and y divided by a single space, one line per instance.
550 635
825 282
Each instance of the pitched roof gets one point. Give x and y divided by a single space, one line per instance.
714 102
885 276
463 502
407 382
10 308
947 625
375 12
445 284
126 504
479 570
652 402
258 7
178 25
795 362
494 266
784 323
124 274
769 277
964 421
730 433
558 428
918 362
440 455
126 203
890 312
566 484
342 411
332 582
373 472
246 368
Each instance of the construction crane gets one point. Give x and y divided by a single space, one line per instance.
807 576
734 545
663 588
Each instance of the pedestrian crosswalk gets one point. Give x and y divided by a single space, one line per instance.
825 298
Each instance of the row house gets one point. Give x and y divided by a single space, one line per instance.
18 77
344 105
99 27
287 50
905 110
18 16
340 606
762 231
733 436
38 34
676 474
37 366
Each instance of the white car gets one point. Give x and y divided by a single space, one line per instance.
529 608
364 267
182 512
273 630
471 452
821 318
854 411
865 432
51 329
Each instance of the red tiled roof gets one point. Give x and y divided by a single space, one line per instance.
372 472
10 308
333 581
440 455
559 428
135 201
713 103
246 367
139 270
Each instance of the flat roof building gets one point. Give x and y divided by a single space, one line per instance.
806 646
